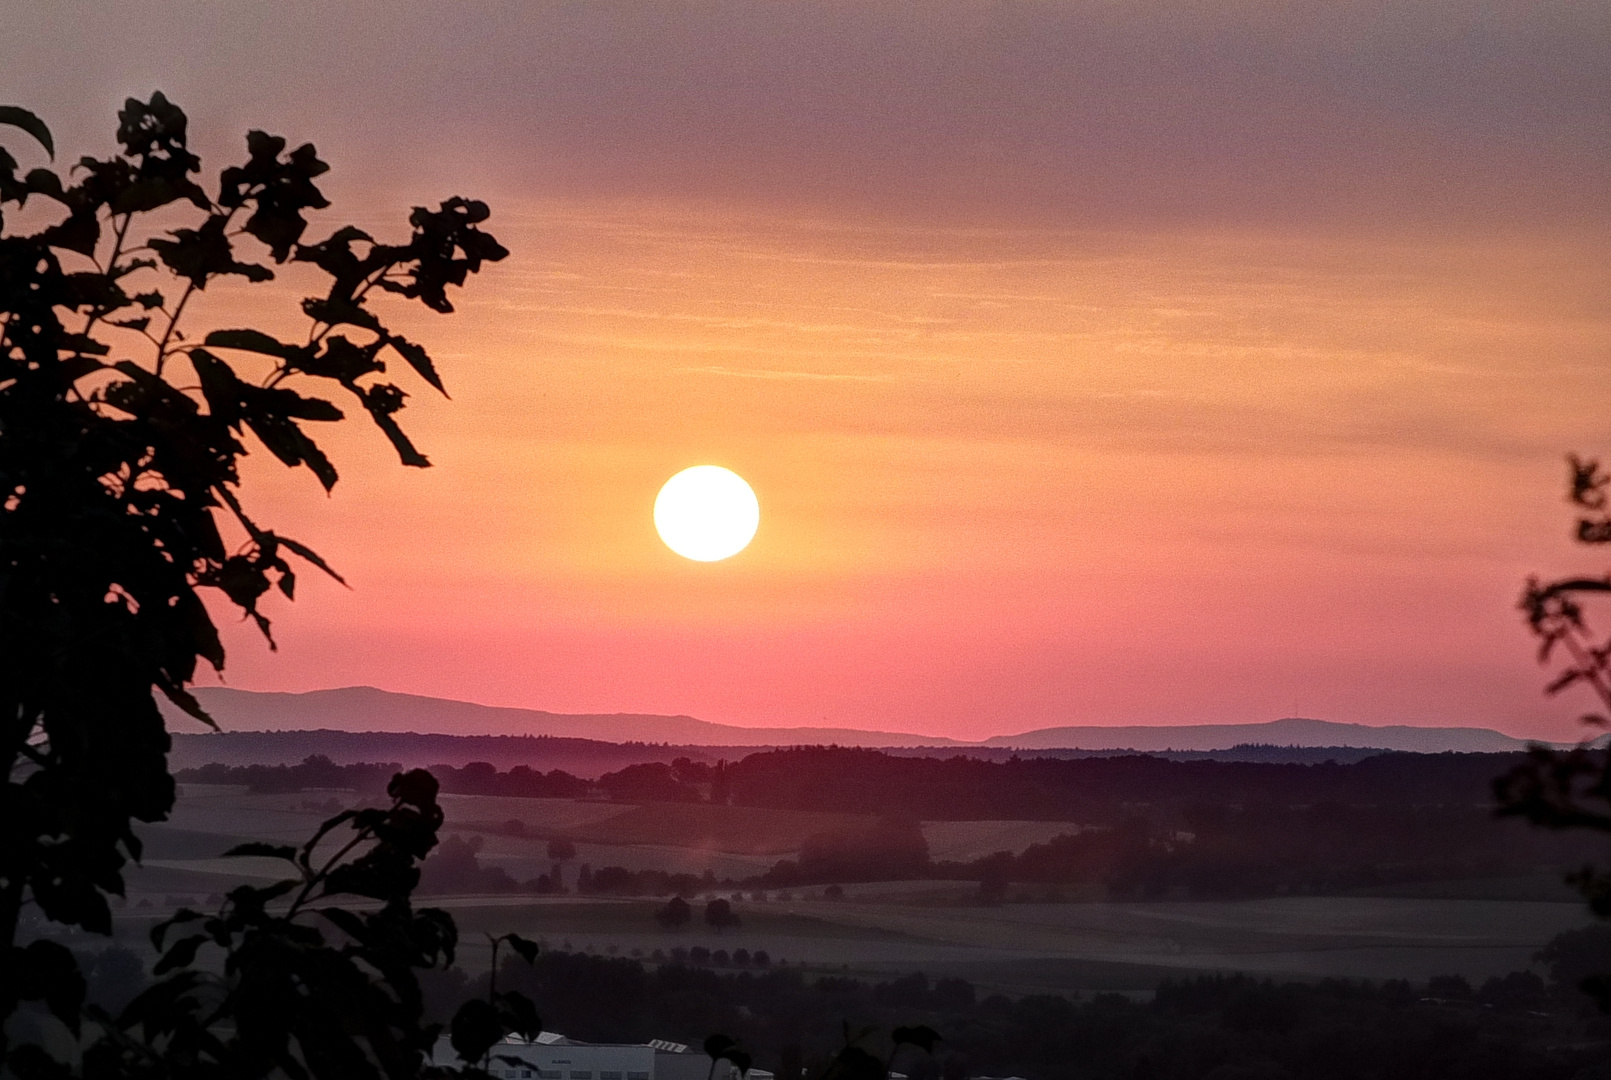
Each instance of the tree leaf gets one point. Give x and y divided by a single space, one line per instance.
920 1035
183 698
717 1046
46 971
260 849
416 787
475 1029
517 1014
250 341
21 118
525 947
160 931
181 954
418 359
307 553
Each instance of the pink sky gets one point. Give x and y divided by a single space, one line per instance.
1099 364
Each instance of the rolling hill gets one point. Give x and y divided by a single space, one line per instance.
1293 731
365 709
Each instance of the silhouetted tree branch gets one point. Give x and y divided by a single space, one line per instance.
1571 789
121 430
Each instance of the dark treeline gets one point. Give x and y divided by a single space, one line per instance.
315 771
1516 1028
584 757
1099 789
1091 790
318 771
1207 852
455 869
1264 851
1138 826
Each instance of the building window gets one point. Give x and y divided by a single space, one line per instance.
555 1074
581 1074
606 1074
637 1076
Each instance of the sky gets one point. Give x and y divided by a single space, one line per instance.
1093 362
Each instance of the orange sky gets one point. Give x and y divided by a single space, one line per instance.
1008 478
1242 394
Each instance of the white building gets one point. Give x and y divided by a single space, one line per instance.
554 1057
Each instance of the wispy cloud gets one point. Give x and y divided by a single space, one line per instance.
764 373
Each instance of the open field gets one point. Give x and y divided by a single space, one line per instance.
740 830
1477 928
960 841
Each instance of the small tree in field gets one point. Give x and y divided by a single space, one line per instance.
561 850
675 914
719 915
122 426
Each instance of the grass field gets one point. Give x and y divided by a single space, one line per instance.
539 817
1473 928
739 830
960 841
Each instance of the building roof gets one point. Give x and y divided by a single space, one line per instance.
547 1038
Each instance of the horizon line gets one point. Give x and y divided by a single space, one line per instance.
850 727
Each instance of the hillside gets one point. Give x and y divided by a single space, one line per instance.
1293 731
364 709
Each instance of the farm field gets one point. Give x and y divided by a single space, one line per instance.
741 830
939 927
960 841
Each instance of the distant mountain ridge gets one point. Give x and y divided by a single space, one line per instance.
360 709
1292 731
365 708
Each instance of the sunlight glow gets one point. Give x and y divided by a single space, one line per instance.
706 513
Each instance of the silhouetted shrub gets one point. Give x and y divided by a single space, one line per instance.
454 869
719 915
676 914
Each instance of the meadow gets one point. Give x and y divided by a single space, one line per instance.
1036 938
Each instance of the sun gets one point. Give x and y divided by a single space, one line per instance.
706 513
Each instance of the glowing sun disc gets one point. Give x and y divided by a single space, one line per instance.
706 513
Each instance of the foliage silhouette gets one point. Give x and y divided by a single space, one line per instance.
719 915
480 1024
288 996
1571 789
722 1048
675 915
1192 1029
852 1061
119 505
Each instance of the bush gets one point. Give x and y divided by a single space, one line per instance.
1575 955
676 914
719 915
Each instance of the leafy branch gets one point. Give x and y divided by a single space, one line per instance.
122 427
1571 789
852 1061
